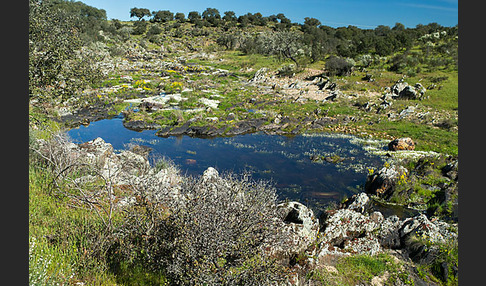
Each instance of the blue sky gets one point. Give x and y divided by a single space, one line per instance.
334 13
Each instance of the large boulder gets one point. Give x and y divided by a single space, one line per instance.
404 143
382 183
300 226
419 237
402 90
347 231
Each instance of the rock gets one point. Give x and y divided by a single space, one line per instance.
231 116
146 106
260 75
385 104
325 83
333 95
388 235
347 231
129 163
139 125
141 150
404 143
212 103
410 110
451 170
382 183
97 147
299 224
324 121
417 233
301 99
295 85
210 175
402 90
357 202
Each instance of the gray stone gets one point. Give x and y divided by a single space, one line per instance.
402 90
210 175
348 231
260 75
360 202
382 183
299 224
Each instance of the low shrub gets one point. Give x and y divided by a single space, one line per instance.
214 234
338 66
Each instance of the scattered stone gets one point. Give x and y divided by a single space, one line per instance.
410 110
212 103
333 95
260 75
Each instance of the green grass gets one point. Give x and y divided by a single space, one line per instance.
360 269
60 234
234 61
426 138
67 243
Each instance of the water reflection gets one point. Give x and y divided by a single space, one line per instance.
286 161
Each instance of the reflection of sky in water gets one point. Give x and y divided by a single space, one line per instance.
284 160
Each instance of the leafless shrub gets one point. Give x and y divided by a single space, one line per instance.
216 233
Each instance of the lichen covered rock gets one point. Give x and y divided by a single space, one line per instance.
404 143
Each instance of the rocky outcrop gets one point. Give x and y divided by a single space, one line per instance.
299 225
420 237
402 90
347 231
404 143
96 162
260 75
381 183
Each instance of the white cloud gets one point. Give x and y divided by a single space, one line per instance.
434 7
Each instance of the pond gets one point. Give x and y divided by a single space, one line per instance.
315 169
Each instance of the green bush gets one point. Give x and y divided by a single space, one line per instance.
338 66
140 28
154 30
58 66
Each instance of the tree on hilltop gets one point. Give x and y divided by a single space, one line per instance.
212 16
180 17
194 16
230 16
162 16
139 13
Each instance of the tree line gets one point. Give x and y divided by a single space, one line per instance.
58 29
312 39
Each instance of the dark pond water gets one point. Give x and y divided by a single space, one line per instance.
283 160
